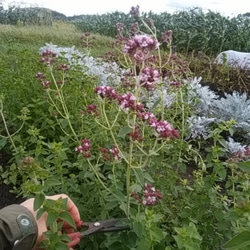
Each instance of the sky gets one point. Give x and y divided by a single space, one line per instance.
79 7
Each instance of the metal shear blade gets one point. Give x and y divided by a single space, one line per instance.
103 227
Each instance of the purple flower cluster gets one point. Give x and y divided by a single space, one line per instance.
120 27
167 36
163 128
84 148
242 155
135 135
110 154
150 22
106 92
115 153
139 47
63 67
48 58
43 82
135 11
128 102
146 116
134 29
149 77
150 197
92 109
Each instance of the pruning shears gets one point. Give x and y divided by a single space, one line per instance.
105 226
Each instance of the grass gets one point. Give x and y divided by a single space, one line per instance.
60 33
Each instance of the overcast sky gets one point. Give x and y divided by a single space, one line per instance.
78 7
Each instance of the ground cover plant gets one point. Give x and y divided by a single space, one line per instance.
139 138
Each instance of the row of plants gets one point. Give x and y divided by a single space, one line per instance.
15 15
138 138
193 29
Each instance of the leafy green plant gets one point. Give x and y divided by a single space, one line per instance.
116 138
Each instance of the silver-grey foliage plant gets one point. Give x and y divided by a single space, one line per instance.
107 73
234 106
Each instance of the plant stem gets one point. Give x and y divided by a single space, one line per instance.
6 127
64 106
98 177
109 128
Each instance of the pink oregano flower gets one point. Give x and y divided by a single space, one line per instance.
163 128
115 153
167 36
48 58
125 101
135 11
128 102
112 154
84 148
151 196
43 80
92 109
139 47
135 135
242 155
149 77
106 92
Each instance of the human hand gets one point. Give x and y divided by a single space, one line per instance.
41 222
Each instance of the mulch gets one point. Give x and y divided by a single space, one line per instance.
8 198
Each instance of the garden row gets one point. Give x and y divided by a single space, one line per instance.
193 29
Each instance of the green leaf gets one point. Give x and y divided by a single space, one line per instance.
139 175
3 142
245 166
111 205
239 241
222 142
52 182
38 202
66 216
39 214
52 217
138 228
124 131
61 246
144 244
65 238
157 234
156 103
148 177
64 122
